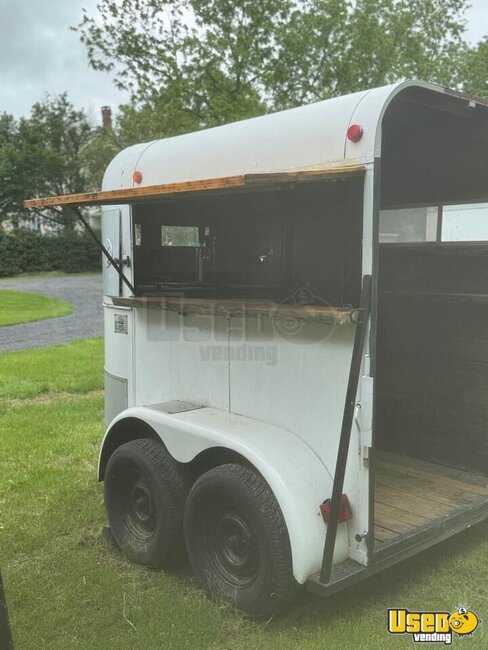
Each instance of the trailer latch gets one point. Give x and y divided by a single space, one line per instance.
125 261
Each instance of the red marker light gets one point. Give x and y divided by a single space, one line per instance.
345 512
355 133
137 177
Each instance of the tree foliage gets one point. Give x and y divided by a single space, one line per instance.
42 154
193 63
333 47
475 70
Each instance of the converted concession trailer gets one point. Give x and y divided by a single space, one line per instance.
296 341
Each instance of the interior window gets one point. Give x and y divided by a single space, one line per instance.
468 222
408 225
180 236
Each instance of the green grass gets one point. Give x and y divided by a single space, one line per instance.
74 368
66 590
22 307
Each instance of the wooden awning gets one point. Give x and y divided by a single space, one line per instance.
211 185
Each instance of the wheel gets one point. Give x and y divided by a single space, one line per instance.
145 494
237 541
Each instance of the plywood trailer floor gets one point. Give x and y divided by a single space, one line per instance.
411 494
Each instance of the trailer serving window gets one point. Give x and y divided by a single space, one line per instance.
262 244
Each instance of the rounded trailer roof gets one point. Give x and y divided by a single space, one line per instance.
308 137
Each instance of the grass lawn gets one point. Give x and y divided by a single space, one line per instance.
66 590
22 307
73 368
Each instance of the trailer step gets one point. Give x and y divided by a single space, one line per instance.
342 575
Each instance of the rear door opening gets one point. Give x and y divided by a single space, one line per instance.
431 404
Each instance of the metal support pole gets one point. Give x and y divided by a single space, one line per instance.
347 420
117 266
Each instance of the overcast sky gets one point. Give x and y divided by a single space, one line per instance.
39 54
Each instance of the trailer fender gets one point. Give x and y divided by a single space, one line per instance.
295 474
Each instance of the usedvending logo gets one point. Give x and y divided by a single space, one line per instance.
433 627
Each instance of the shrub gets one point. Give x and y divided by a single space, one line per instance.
23 251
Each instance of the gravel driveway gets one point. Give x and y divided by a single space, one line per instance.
84 292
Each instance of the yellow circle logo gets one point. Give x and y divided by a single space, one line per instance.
463 621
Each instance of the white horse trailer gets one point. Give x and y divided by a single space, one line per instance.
296 348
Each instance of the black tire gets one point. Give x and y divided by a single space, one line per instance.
237 541
145 494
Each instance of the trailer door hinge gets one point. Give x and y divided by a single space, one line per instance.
365 413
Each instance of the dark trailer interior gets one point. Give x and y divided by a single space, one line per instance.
431 402
298 243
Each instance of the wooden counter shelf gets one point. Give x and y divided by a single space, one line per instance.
240 308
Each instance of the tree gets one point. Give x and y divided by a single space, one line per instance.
332 48
475 71
43 154
195 63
